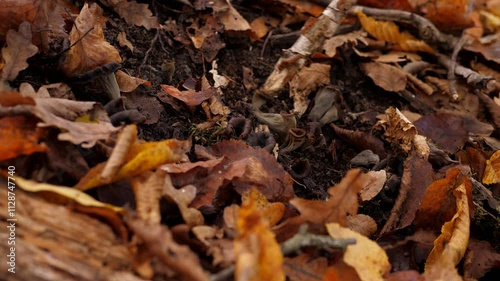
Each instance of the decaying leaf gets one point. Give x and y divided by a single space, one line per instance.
362 224
399 129
91 50
258 255
19 136
123 41
135 13
63 194
361 140
446 130
160 244
417 175
387 77
183 197
492 170
439 204
230 17
330 46
19 48
189 97
148 188
374 184
272 212
305 268
450 246
129 83
366 256
343 201
306 81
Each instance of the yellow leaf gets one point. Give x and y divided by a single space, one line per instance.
139 158
258 255
492 171
366 257
64 194
450 246
272 212
389 32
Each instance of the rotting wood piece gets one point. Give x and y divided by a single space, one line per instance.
54 243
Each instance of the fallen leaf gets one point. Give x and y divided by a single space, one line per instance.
389 32
229 17
258 255
189 97
417 175
446 130
305 268
398 129
387 77
140 157
343 201
135 13
89 48
129 83
450 246
258 28
361 140
272 212
492 170
479 259
304 82
439 203
19 48
19 136
63 194
448 15
121 38
366 257
160 244
362 224
183 197
330 46
374 184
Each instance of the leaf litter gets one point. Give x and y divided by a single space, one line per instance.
229 140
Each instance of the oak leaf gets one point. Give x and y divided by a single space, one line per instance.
19 49
135 13
89 48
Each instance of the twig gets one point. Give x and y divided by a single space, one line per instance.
294 244
475 79
16 110
427 31
452 80
146 56
265 43
304 239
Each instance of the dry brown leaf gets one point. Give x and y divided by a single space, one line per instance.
445 130
492 170
366 257
389 32
361 140
343 201
330 46
90 49
362 224
135 13
272 212
230 18
62 114
305 268
450 246
387 77
417 175
160 244
258 255
374 184
303 6
183 197
398 129
189 97
121 38
304 82
129 83
19 48
147 189
118 157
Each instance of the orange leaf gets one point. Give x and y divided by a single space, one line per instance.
129 83
439 203
258 255
272 212
343 201
19 136
189 97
